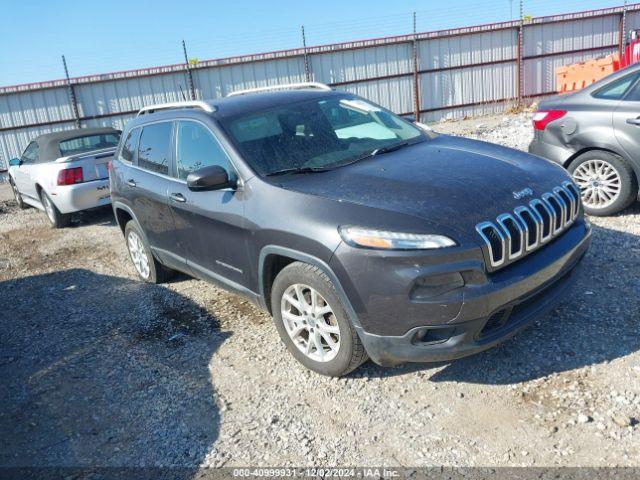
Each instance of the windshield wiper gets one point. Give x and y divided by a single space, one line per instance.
390 148
296 170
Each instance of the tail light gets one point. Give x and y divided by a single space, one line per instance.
543 117
109 167
70 176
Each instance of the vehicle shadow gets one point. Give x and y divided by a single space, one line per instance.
102 216
100 371
598 321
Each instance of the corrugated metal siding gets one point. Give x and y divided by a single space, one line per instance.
574 35
219 81
350 65
467 49
34 107
379 69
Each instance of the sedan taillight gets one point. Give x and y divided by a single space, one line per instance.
70 176
543 117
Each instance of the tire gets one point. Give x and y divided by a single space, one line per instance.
17 196
57 219
607 182
145 264
301 280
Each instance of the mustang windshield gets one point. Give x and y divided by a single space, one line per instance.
317 134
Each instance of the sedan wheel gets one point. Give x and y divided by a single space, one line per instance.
310 322
599 182
138 254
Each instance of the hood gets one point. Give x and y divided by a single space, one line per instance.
449 181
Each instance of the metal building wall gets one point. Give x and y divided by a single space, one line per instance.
465 71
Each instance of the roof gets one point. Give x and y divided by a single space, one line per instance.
49 143
249 102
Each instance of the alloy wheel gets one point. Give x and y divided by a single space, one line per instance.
48 207
138 254
599 183
310 322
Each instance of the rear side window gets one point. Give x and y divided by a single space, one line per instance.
153 150
616 90
197 148
127 153
87 143
634 94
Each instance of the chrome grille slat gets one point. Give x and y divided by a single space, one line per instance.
516 234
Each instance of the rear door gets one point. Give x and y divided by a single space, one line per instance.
626 122
24 174
210 227
147 182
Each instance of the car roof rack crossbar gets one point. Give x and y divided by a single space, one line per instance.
167 106
286 86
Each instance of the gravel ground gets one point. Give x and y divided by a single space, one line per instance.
99 369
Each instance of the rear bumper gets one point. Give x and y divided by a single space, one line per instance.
556 153
82 196
514 305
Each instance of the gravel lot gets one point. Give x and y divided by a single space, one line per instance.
99 369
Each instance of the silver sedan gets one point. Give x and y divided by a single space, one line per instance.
595 134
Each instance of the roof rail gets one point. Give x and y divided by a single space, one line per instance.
186 104
286 86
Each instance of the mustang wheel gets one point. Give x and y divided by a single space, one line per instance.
57 219
312 321
17 196
606 181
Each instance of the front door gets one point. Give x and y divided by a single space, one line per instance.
209 225
23 174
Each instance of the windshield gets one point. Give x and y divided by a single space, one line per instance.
87 143
317 134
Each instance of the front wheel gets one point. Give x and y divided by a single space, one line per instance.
17 195
313 323
606 181
57 219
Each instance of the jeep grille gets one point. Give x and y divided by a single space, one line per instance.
516 234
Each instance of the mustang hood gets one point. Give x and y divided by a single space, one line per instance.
448 181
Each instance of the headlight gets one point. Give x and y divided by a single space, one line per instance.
363 237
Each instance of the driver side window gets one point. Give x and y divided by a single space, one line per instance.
198 148
30 154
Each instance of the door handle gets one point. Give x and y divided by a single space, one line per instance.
177 197
131 182
634 121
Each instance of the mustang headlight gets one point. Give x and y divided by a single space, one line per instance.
364 237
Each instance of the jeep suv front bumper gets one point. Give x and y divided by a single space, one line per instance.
487 310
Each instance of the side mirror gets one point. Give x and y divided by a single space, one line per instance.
209 178
14 162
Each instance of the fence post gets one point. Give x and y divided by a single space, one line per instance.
72 94
520 66
416 79
307 71
623 27
192 91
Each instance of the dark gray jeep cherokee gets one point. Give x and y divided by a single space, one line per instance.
361 233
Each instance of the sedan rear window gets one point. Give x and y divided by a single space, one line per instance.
87 143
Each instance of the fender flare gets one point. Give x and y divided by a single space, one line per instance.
311 260
119 205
